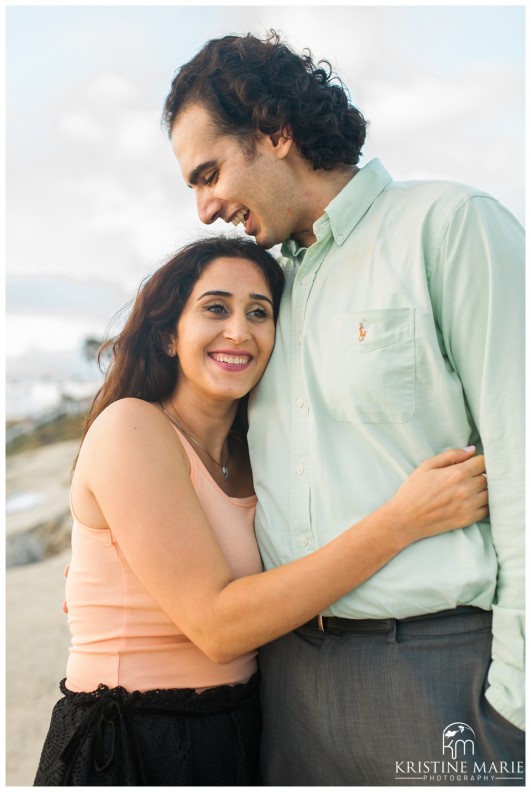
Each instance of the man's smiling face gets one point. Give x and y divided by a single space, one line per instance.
255 188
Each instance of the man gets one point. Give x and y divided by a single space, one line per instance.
400 335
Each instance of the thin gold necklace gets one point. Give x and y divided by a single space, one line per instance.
224 467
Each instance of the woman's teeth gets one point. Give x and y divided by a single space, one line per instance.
235 361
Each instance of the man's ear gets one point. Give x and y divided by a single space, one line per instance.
282 141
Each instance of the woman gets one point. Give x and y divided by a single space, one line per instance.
166 599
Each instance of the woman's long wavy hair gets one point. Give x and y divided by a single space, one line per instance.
249 85
140 366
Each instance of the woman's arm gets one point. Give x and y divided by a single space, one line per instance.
138 472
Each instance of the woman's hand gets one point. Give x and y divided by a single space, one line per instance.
446 492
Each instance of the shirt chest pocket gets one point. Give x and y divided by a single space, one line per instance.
369 374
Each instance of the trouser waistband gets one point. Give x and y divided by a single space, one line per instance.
337 625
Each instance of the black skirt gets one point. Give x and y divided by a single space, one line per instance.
111 737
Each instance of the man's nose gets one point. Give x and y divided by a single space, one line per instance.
209 208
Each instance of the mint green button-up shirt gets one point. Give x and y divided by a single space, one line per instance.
400 335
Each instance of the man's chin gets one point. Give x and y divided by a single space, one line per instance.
266 242
262 239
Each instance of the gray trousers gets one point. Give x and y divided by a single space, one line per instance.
402 707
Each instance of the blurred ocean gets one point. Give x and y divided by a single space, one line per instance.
38 381
30 398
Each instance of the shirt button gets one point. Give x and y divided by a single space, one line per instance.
340 237
300 470
300 402
299 340
305 280
302 541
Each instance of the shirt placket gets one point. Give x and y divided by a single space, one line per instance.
302 535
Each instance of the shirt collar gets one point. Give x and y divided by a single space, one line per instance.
345 211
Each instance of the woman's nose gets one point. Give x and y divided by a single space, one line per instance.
237 328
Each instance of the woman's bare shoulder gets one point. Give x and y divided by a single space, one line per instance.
129 423
127 408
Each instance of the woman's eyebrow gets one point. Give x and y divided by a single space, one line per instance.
215 293
261 297
219 293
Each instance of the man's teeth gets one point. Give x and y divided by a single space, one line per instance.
239 218
237 361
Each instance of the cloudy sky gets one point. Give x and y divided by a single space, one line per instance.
94 197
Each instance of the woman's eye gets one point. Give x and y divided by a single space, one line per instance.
215 308
259 313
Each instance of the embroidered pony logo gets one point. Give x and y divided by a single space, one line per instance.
362 331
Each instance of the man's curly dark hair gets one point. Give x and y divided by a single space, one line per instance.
249 85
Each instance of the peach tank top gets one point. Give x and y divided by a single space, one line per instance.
119 635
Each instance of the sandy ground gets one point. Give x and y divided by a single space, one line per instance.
37 634
43 473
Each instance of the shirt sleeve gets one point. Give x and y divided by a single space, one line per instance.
477 288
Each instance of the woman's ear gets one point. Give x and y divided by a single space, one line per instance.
169 345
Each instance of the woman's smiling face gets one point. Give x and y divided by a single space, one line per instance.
226 332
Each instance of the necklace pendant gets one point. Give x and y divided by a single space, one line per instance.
225 471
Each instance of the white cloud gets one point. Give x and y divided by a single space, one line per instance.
39 296
468 129
108 90
110 109
109 201
77 126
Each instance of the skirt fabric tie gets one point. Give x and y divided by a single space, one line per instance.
156 738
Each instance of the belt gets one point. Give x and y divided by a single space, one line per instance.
337 624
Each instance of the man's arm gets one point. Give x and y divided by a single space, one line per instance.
477 287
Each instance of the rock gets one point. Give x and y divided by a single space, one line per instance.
42 541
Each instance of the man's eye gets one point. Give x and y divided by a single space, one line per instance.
210 179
